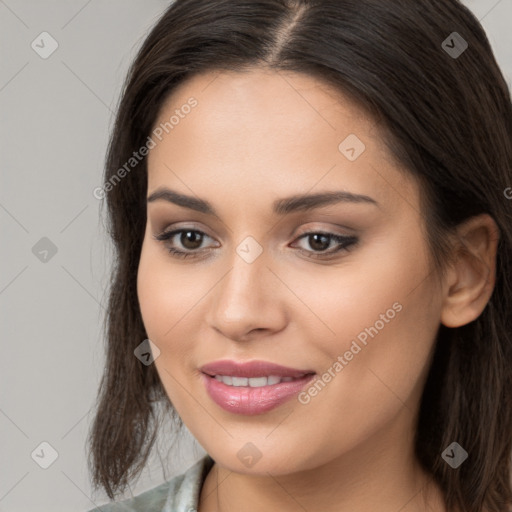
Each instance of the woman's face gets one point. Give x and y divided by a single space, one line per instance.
361 312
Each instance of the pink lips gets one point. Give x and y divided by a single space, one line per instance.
252 400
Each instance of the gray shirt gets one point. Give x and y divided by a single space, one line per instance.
180 494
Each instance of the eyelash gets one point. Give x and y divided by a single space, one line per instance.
346 243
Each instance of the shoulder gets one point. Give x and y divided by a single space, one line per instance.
179 493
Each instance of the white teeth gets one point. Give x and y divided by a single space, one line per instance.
257 382
239 381
253 382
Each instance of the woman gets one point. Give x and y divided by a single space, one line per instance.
308 201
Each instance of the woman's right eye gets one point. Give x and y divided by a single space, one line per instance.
190 239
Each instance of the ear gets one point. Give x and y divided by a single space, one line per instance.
470 280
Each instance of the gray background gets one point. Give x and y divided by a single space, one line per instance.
56 117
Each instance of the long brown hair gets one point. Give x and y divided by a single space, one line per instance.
447 119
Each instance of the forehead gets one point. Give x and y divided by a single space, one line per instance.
262 94
271 129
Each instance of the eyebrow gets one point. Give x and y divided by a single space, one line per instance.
282 206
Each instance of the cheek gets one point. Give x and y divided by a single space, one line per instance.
165 293
385 316
151 294
367 385
351 296
164 313
171 301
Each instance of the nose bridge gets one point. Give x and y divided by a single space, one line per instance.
246 298
248 277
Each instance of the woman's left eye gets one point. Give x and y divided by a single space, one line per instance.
316 239
191 240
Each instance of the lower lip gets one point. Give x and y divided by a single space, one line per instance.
250 401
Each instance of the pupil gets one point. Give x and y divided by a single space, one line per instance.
315 238
191 236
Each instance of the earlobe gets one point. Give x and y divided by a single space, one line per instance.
472 276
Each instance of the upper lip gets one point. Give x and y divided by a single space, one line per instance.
251 369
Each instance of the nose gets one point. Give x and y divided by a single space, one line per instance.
248 301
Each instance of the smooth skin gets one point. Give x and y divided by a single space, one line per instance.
253 138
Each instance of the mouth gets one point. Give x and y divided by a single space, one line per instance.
264 389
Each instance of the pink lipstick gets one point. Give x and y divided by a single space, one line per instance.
252 387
